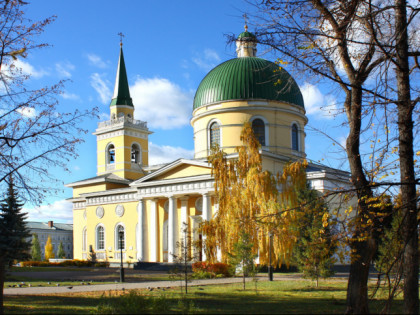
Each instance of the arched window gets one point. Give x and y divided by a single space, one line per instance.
120 237
84 239
258 127
111 154
100 238
135 154
295 138
214 134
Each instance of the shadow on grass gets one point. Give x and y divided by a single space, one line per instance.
315 289
49 304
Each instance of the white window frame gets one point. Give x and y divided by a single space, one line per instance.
107 155
84 239
97 238
210 123
117 237
266 128
140 160
298 136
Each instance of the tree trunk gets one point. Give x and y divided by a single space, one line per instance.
357 287
362 251
2 276
243 273
406 154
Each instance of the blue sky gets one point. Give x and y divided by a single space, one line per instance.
169 46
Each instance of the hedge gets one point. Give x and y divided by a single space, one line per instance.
216 268
67 263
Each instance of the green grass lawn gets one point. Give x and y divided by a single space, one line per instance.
297 297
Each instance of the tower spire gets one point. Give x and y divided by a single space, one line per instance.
121 90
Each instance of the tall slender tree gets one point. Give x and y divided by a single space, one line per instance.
35 248
60 252
49 249
316 244
14 244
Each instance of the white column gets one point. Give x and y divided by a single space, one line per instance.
184 206
153 231
140 247
206 207
206 215
171 227
184 221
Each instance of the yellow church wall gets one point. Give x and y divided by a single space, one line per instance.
109 221
122 109
191 206
278 116
185 171
77 233
274 167
122 163
77 191
84 189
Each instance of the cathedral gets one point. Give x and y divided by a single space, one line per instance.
137 210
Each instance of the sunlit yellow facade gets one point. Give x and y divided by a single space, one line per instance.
140 210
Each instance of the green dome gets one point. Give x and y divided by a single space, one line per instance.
247 78
246 34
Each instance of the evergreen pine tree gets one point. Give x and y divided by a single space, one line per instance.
14 244
49 250
60 252
315 247
36 248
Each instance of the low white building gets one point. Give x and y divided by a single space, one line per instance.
59 232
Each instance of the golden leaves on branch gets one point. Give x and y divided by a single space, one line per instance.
250 202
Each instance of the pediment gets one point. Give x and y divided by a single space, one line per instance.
178 169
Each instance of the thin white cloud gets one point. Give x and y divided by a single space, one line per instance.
64 69
69 96
28 69
161 103
207 60
104 116
96 61
28 112
318 104
59 211
159 154
102 87
76 168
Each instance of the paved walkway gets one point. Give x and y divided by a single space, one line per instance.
130 286
114 286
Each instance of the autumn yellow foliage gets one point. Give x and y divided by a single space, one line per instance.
250 202
49 250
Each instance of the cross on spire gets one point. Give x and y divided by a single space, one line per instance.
121 35
245 16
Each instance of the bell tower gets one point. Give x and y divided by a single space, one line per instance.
122 141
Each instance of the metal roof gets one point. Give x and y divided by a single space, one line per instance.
247 78
121 90
246 34
44 226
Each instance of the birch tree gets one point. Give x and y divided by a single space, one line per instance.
250 203
356 45
35 135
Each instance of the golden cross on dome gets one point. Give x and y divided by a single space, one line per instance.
121 35
245 16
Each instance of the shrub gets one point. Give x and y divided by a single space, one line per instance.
202 268
132 303
67 263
